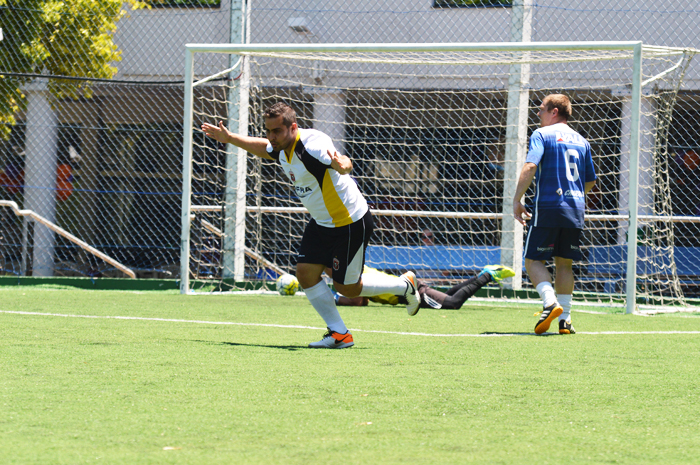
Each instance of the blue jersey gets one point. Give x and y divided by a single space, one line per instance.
564 166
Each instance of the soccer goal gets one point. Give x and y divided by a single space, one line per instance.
438 134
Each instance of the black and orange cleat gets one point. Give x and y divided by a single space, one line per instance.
548 315
565 327
333 340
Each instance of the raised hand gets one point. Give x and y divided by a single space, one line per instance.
340 163
219 132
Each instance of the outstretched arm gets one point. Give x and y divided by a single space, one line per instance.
526 176
255 145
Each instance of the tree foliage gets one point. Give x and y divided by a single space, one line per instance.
56 37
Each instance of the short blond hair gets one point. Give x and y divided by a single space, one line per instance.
559 101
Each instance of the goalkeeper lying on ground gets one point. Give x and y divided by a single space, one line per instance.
429 297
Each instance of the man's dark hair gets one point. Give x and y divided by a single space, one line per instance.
289 116
559 101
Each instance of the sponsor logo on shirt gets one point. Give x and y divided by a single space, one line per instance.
573 194
570 138
302 191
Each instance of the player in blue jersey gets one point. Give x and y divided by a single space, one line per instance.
560 162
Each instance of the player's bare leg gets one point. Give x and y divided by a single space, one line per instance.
349 290
542 280
564 285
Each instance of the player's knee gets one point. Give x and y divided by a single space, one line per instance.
307 277
305 281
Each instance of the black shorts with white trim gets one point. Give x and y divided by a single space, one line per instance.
340 249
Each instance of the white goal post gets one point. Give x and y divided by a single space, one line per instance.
456 176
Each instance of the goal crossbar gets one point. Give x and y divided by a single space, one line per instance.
363 52
436 47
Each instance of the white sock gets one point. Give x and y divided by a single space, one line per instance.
378 284
546 292
565 302
322 300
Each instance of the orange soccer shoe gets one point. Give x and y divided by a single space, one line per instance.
333 340
565 327
549 314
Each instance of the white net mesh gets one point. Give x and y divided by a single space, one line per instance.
455 54
436 150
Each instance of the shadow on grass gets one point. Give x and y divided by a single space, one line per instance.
269 346
509 333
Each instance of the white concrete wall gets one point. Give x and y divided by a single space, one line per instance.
370 21
152 41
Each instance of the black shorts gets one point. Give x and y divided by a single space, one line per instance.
545 243
340 249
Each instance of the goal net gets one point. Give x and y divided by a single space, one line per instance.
438 135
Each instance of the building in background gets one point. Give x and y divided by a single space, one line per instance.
123 145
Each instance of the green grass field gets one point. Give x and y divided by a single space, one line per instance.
225 379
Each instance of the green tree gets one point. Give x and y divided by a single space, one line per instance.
66 38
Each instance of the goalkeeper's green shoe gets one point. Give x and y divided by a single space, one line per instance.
498 272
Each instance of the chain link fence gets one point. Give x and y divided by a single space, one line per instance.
92 109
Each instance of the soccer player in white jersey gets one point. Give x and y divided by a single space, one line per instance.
560 160
341 223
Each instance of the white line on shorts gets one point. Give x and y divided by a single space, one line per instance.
267 325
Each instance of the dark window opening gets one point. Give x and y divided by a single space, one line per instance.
472 3
185 3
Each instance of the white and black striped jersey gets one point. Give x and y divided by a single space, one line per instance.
333 199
